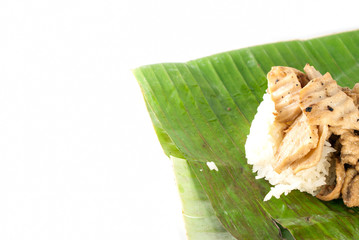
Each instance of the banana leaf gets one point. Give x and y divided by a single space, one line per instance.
202 111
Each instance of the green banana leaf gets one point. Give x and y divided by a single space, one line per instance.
202 111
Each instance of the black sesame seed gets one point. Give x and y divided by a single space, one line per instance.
308 109
330 108
356 132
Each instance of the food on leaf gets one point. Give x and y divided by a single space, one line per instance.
310 136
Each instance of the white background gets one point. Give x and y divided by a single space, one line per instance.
79 158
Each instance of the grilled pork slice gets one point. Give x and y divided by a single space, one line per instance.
284 84
277 133
324 103
352 93
299 139
311 72
337 130
330 192
350 147
355 94
350 190
313 157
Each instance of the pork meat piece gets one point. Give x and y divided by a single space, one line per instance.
311 72
330 192
298 140
284 84
350 147
314 155
324 103
350 190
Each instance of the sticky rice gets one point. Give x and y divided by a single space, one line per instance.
259 153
